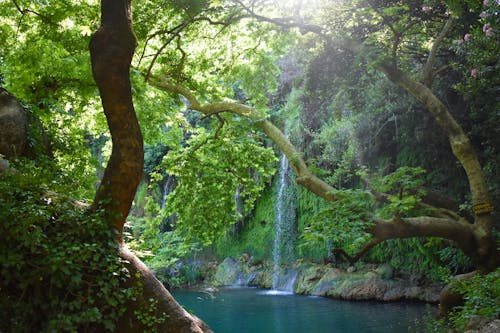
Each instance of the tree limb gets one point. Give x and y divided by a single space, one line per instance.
304 176
285 22
428 74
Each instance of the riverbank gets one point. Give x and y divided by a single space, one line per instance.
366 282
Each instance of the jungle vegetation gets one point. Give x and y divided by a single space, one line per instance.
392 110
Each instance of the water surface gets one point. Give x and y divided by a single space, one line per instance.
250 310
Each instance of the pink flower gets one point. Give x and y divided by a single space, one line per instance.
485 2
426 8
473 72
487 29
467 37
482 15
447 13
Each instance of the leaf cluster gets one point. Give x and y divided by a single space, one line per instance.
482 298
343 222
210 170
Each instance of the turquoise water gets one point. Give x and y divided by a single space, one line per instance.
249 310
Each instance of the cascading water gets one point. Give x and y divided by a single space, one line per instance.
283 246
167 188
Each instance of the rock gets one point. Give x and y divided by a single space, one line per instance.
317 279
13 126
484 325
309 275
227 272
385 271
4 165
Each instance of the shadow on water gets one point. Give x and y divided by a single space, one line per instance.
251 310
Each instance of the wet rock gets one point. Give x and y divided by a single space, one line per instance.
227 272
4 165
376 283
309 276
351 269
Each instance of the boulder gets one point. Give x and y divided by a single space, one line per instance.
13 126
227 272
385 271
4 165
484 325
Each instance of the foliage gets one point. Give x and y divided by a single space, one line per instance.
149 318
482 298
343 223
479 46
256 236
308 207
60 265
404 189
210 170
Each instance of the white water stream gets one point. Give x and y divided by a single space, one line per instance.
283 246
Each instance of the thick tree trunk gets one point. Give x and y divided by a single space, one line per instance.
174 318
485 255
111 50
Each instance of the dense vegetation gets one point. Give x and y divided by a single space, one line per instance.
387 111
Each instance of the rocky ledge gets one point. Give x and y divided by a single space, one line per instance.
371 283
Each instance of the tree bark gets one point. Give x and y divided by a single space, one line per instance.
486 253
111 50
176 319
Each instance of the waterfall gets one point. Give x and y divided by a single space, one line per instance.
168 222
284 237
167 188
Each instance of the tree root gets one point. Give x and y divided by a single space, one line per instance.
172 317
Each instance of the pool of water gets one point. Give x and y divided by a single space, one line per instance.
250 310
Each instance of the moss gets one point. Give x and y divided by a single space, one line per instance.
309 206
257 235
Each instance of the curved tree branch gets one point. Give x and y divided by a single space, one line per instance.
446 224
284 22
428 73
459 141
304 176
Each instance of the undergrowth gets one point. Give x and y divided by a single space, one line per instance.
60 267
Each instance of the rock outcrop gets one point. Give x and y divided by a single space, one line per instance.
13 126
375 283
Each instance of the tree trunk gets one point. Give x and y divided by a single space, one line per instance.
111 50
174 318
485 255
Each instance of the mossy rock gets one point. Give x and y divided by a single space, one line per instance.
227 272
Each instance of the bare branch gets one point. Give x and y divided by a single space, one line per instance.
361 252
285 22
24 11
428 74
